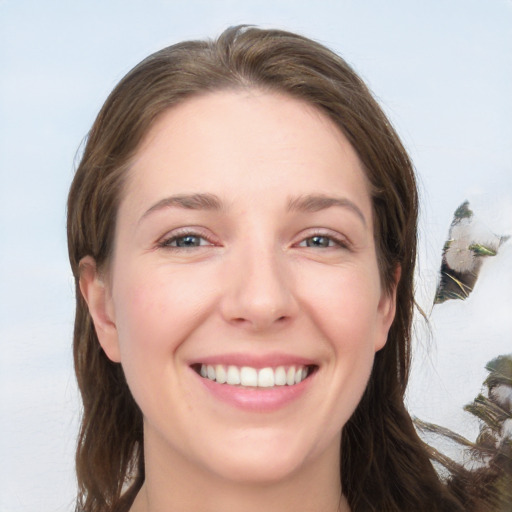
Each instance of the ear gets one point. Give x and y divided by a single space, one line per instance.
99 302
386 310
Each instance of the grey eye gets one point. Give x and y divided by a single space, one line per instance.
318 241
187 241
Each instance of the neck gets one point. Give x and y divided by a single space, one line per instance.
175 485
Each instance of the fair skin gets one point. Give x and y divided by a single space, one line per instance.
244 239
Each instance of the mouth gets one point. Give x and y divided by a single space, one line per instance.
250 377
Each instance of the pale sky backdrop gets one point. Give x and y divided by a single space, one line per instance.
442 70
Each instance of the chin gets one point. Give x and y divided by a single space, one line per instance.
259 470
252 460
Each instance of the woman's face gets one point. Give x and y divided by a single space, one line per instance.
244 251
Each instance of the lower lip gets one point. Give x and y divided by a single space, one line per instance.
256 399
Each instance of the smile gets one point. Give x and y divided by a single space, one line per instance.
247 376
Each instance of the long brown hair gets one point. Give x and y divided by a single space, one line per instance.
383 463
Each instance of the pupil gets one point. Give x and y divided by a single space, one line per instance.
318 241
188 241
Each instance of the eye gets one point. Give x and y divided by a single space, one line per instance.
322 241
185 241
317 241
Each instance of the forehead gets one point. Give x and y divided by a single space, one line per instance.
241 142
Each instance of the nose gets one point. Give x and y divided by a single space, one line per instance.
259 293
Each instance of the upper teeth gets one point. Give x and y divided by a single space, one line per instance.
248 376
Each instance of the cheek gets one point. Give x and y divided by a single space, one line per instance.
345 311
345 306
155 313
156 309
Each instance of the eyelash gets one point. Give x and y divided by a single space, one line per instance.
332 241
167 242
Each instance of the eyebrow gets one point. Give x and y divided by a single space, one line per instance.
316 202
309 203
186 201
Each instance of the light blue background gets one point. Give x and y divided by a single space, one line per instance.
442 71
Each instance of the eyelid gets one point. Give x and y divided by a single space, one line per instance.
175 234
340 240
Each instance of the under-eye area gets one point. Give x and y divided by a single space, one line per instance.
247 376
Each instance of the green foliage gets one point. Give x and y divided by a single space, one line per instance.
463 211
488 486
500 371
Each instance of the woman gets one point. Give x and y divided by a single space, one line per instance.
242 232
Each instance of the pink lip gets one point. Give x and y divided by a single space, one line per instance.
255 361
255 399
